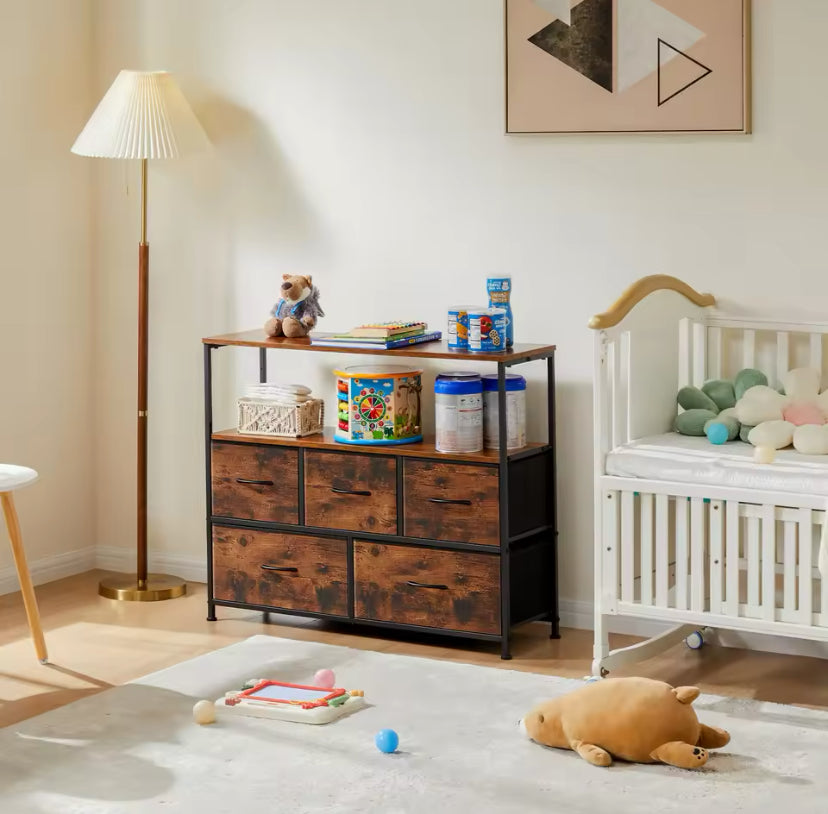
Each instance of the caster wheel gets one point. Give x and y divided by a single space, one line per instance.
695 641
598 671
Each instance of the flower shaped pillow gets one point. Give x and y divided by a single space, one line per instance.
796 417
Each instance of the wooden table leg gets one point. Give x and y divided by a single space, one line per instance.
26 587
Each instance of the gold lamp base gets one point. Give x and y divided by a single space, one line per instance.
124 587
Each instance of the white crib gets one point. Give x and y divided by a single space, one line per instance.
731 545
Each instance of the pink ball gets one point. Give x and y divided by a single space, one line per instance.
803 412
324 678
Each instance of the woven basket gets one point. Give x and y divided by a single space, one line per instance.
262 417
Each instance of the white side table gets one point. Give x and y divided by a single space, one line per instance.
12 478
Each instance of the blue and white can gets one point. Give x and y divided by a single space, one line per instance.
458 327
487 330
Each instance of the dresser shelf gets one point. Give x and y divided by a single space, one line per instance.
395 536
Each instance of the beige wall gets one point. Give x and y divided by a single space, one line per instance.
362 141
45 280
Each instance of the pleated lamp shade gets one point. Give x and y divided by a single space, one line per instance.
143 115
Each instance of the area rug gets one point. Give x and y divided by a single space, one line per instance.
136 749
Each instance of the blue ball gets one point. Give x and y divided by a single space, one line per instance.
387 740
717 434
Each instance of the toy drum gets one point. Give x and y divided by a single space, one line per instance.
487 330
378 405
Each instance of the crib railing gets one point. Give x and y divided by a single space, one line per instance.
666 555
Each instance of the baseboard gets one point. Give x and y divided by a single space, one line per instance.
49 569
112 558
578 614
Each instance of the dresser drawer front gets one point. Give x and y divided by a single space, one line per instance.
351 491
457 502
255 482
282 570
417 586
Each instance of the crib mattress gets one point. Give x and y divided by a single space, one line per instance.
686 459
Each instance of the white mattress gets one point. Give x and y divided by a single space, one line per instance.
687 459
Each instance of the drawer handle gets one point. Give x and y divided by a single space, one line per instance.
359 492
414 584
289 568
254 482
447 502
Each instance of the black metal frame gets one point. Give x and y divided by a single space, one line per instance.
506 541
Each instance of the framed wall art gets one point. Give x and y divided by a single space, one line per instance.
627 66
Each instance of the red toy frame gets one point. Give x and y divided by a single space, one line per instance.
320 702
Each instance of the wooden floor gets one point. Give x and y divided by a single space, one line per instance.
96 643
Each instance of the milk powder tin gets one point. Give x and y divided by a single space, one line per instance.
515 411
458 412
458 327
487 330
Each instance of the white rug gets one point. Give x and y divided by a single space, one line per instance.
135 748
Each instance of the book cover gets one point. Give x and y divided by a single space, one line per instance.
333 342
387 329
350 337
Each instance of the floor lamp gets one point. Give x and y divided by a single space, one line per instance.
143 115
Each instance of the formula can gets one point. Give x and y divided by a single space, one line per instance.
458 412
515 411
500 295
458 327
487 330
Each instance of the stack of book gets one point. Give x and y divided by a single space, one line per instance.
379 336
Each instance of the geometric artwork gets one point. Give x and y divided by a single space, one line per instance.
627 66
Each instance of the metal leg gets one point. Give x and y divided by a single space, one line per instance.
505 570
208 436
505 648
266 617
550 434
262 365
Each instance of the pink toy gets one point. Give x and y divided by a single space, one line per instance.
801 413
324 678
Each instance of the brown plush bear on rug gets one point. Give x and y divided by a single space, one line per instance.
633 719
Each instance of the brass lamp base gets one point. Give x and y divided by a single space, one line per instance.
124 587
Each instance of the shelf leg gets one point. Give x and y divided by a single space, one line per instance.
266 617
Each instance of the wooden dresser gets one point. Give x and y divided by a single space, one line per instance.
400 537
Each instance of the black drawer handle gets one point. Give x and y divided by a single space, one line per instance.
447 502
254 482
414 584
359 492
289 568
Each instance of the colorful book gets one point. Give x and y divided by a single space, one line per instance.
390 344
380 340
387 329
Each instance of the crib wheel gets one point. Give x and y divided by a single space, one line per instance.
598 671
695 641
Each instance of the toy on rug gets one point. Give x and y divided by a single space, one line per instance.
262 698
797 416
295 314
204 712
387 741
710 409
633 719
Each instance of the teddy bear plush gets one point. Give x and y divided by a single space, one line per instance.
297 310
634 719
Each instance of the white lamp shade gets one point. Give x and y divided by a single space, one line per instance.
143 115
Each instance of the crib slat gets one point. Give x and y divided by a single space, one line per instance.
716 555
783 355
681 553
646 549
753 564
699 353
748 348
610 550
769 563
806 539
627 546
696 554
714 353
732 567
662 542
816 351
684 353
789 568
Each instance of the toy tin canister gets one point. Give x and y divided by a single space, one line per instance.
500 295
515 411
487 330
378 405
458 327
458 412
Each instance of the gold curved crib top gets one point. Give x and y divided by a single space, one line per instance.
643 288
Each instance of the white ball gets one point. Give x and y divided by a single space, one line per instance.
204 712
764 455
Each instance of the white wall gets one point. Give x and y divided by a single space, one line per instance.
45 280
362 141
